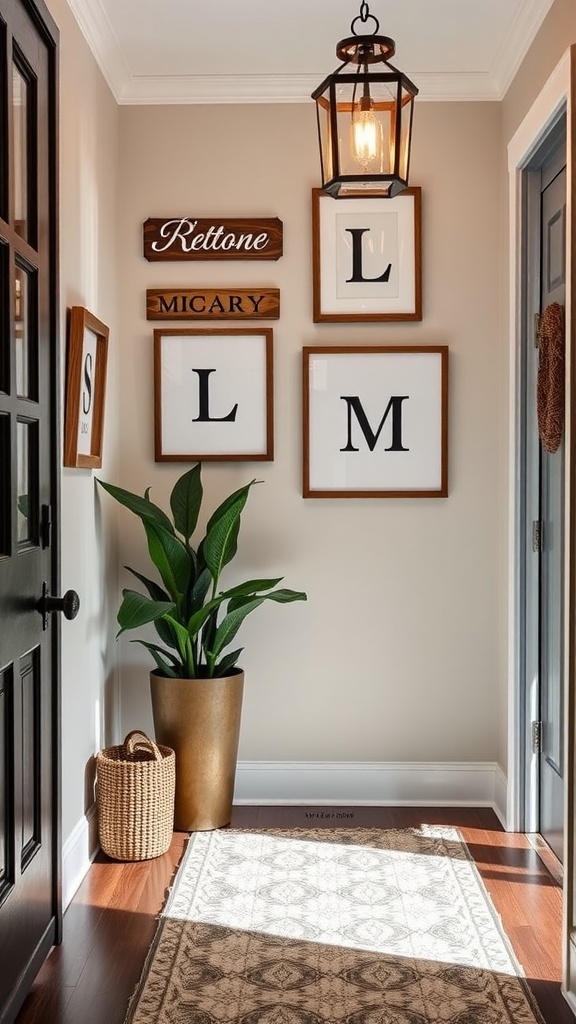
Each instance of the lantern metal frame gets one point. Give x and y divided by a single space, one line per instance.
364 51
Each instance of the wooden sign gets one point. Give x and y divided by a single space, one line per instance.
213 304
204 238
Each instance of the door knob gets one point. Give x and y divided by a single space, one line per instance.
68 604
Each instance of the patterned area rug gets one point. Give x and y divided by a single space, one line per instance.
330 927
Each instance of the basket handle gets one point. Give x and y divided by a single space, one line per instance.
138 740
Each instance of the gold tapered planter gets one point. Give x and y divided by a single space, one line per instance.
200 720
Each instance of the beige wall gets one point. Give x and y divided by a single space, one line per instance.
88 184
395 656
400 652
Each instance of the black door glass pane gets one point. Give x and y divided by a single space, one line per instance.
6 780
4 319
21 331
3 132
5 477
25 335
20 169
27 483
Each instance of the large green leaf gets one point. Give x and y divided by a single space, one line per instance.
231 624
137 610
228 502
200 589
142 507
282 596
185 501
220 543
198 619
233 620
249 587
171 558
165 632
209 631
171 668
228 661
184 646
156 592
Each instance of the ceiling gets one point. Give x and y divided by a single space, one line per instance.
253 51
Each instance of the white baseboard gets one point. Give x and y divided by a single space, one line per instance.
78 853
470 784
328 783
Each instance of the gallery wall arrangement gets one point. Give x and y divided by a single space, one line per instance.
374 417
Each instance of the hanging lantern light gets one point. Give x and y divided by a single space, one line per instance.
365 117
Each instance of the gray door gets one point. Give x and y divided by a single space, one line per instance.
30 917
551 632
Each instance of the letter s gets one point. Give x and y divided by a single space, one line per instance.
87 389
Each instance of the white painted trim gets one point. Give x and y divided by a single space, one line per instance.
500 796
101 38
570 999
330 784
283 88
515 44
521 148
142 89
78 853
470 784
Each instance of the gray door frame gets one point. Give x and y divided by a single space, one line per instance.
558 95
543 118
528 490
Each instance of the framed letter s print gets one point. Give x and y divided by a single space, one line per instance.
213 395
375 422
367 258
85 389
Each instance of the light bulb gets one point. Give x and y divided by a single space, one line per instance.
366 134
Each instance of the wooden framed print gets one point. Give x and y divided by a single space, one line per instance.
375 422
367 257
85 389
213 395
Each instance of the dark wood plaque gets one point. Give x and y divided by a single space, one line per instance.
212 238
213 304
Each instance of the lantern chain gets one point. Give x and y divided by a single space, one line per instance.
363 17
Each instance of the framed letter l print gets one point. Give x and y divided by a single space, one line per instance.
213 395
367 257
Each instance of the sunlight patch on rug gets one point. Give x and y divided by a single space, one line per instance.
361 926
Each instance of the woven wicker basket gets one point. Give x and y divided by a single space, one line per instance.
135 798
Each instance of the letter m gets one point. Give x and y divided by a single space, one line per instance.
168 307
394 408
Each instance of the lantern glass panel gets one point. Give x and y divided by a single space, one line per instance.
405 132
366 124
325 134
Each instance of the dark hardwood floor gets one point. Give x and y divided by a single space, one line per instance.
110 923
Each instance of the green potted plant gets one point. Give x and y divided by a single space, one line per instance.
196 687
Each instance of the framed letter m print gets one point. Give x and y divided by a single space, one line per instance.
375 422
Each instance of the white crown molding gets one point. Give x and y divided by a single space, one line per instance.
323 783
284 88
218 89
99 34
234 89
515 44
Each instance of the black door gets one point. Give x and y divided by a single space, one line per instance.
30 914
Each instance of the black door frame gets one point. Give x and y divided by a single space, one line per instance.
48 32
